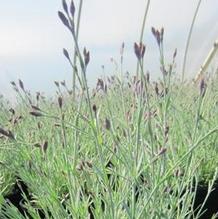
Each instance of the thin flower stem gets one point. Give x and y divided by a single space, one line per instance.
188 40
74 57
143 30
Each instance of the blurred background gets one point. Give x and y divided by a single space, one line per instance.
32 38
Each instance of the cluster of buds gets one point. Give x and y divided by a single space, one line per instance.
139 50
101 85
158 34
68 20
14 86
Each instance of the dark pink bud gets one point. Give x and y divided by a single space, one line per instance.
158 35
72 8
94 108
35 108
122 48
64 4
137 51
162 151
174 54
202 87
37 96
21 85
86 56
161 34
63 83
36 114
156 89
148 77
65 21
142 49
153 31
57 83
13 83
60 102
66 54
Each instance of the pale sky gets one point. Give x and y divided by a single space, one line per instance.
32 38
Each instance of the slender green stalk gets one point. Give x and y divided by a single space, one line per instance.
189 40
143 30
75 56
76 133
